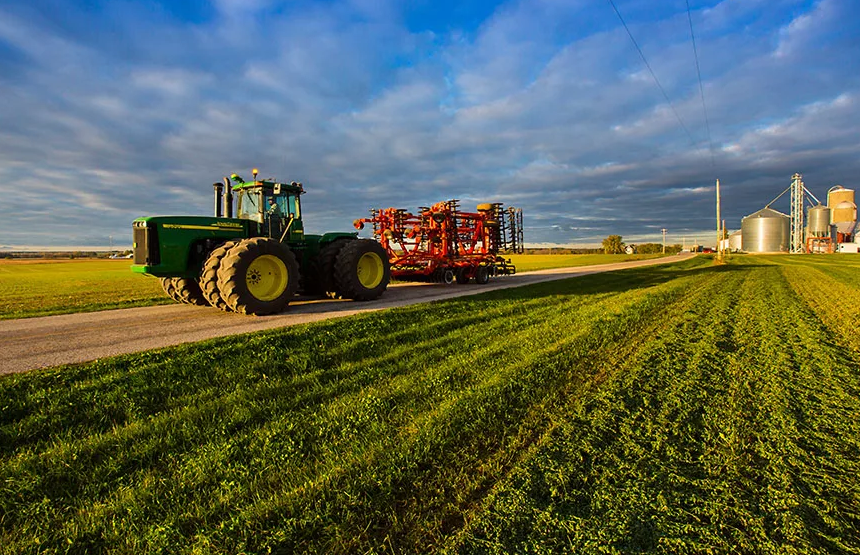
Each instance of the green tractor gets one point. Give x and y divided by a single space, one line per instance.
256 262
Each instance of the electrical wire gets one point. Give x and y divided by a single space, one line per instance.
701 87
653 75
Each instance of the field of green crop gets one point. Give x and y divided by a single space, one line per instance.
687 408
44 287
530 262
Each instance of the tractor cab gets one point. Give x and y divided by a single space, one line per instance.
276 207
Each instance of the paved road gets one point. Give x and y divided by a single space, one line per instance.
53 340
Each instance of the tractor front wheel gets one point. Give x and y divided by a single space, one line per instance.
258 276
362 270
209 276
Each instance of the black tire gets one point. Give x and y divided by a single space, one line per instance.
189 291
462 276
482 275
446 276
209 276
258 276
362 270
184 290
169 288
320 281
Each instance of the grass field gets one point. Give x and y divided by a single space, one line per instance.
44 287
687 408
531 262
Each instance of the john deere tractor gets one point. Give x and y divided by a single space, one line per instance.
255 262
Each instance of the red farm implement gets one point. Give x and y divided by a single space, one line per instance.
442 243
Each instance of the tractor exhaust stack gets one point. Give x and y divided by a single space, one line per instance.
219 192
228 198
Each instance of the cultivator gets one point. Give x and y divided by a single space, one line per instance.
442 243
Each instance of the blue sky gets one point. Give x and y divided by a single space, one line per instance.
110 110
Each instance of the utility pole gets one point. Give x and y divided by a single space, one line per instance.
664 240
719 250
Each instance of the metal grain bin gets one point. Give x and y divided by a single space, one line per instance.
844 216
766 231
818 218
736 242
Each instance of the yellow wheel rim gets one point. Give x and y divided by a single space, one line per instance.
267 277
370 270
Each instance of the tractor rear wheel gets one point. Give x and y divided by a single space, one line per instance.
209 276
362 270
170 289
184 290
322 280
258 276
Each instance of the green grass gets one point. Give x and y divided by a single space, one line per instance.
686 408
44 287
31 288
531 262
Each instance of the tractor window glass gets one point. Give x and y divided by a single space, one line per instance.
248 207
294 206
276 206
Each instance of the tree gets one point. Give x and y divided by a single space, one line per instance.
613 245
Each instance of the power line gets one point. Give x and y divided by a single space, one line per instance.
645 61
701 88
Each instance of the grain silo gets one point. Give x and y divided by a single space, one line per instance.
843 209
818 221
766 231
736 242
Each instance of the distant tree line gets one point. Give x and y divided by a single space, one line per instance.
614 244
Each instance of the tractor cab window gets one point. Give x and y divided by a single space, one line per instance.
277 206
293 204
249 206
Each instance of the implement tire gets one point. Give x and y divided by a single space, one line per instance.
482 275
258 276
209 276
362 270
462 276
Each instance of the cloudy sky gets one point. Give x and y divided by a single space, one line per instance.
114 109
